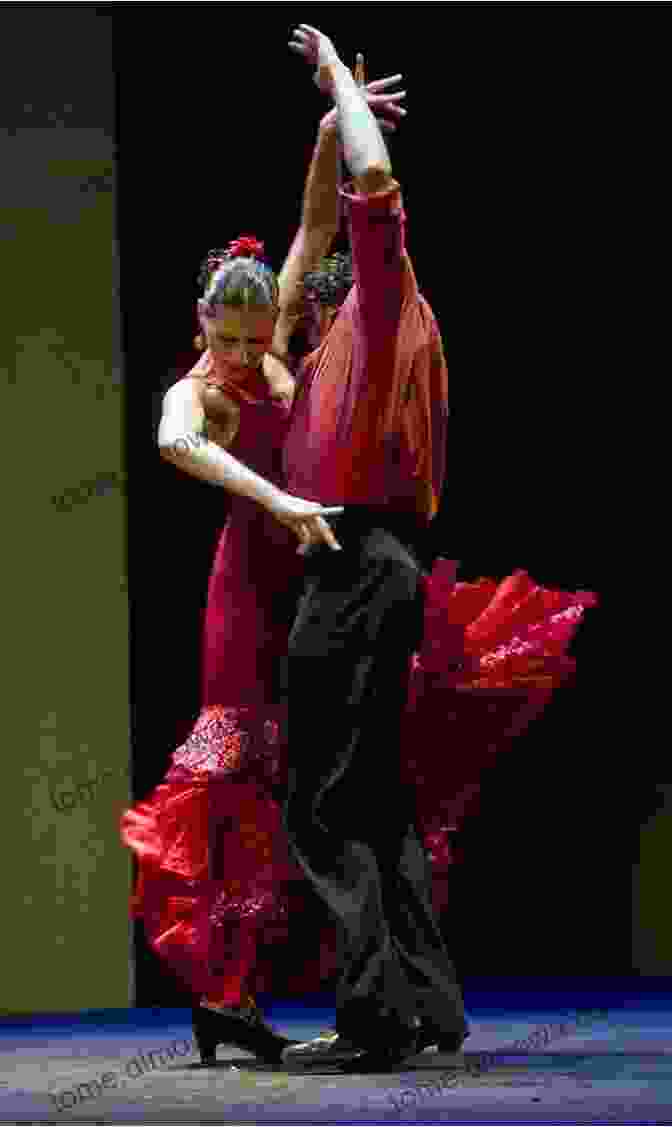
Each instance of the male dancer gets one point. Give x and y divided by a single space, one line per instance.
368 434
243 1025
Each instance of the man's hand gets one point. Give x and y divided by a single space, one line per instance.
318 51
364 149
306 520
384 106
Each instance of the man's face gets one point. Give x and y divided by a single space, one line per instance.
326 314
313 325
325 290
238 338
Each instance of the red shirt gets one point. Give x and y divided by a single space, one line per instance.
369 420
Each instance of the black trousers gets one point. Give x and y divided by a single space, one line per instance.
349 820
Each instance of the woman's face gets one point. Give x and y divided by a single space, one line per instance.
238 338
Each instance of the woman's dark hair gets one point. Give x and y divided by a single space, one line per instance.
237 281
237 278
331 281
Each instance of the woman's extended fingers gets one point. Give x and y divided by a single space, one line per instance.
389 97
315 530
389 108
312 529
382 83
385 99
326 533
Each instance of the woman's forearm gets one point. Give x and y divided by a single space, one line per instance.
321 201
205 460
320 221
364 148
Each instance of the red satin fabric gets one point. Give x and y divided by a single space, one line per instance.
370 422
216 890
215 874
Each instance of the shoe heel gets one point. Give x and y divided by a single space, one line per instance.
205 1038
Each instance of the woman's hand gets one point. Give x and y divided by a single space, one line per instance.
305 519
384 106
318 51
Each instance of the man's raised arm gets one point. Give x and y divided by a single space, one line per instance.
382 270
321 214
364 147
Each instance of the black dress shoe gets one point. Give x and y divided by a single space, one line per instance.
332 1048
389 1054
327 1048
247 1031
430 1034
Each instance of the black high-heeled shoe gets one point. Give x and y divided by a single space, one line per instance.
247 1031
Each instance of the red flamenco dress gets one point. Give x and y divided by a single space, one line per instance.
216 888
492 656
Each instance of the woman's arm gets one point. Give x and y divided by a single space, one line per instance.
319 227
182 442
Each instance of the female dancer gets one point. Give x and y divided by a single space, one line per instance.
214 874
208 841
208 824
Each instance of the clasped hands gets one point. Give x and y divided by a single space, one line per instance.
320 53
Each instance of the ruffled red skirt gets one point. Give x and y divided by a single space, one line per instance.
216 888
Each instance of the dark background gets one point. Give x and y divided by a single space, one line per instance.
517 163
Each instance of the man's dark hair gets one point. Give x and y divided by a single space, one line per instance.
331 281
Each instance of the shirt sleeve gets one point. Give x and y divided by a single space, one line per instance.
381 269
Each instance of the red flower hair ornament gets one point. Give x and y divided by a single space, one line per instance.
245 246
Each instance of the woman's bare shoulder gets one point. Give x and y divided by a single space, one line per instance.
189 387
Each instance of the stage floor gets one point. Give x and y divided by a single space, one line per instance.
141 1067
